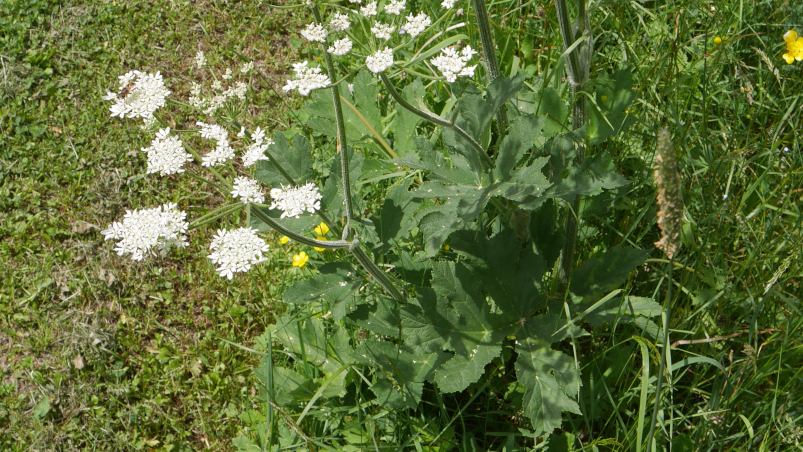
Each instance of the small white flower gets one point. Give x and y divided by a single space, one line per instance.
241 133
417 24
355 1
227 75
139 95
141 231
340 47
237 251
395 7
200 59
217 85
306 79
258 136
223 151
382 31
339 22
166 154
247 67
351 88
247 190
381 60
369 9
255 153
315 32
453 64
294 201
237 90
448 4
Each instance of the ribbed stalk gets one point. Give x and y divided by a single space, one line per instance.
489 53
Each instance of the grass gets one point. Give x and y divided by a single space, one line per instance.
97 353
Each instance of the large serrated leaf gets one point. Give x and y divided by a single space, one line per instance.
607 272
295 159
519 139
406 122
334 287
551 378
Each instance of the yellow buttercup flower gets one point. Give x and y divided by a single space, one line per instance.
284 239
323 239
794 47
321 229
300 259
717 40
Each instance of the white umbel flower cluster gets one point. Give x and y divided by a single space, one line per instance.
382 31
256 151
247 190
247 67
223 151
315 32
200 59
381 60
339 22
417 24
141 231
139 95
237 251
306 79
448 4
369 9
294 201
395 7
453 64
166 154
340 47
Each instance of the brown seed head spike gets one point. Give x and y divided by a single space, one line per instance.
670 202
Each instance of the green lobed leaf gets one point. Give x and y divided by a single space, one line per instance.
334 287
295 159
519 139
406 122
606 272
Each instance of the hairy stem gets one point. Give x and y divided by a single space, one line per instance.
260 211
342 144
489 53
437 120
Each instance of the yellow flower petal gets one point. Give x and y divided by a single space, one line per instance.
789 58
300 259
790 36
322 239
284 239
322 229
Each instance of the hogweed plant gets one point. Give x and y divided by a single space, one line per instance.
449 266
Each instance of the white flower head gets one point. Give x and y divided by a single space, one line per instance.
200 59
453 64
315 32
247 190
256 152
340 47
382 31
306 79
417 24
395 7
241 133
381 60
294 201
228 75
166 154
258 136
247 67
339 22
223 151
139 95
237 251
355 1
448 4
369 9
142 231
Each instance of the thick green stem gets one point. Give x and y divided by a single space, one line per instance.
379 276
342 144
437 120
666 350
259 211
579 59
489 53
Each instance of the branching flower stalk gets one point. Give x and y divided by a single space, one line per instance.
578 56
437 120
489 53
